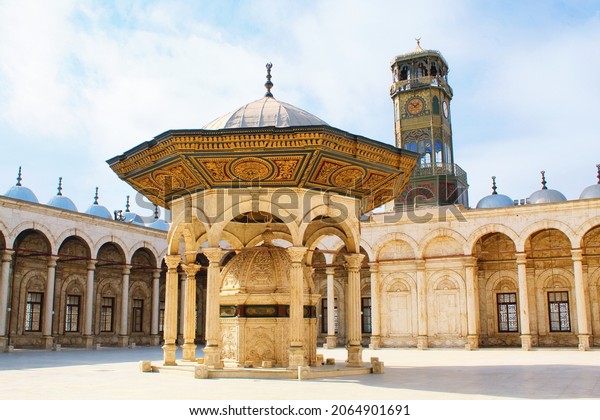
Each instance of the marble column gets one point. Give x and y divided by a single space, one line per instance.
47 338
375 307
170 327
526 339
4 291
296 351
154 338
353 262
212 351
580 301
472 304
124 330
189 319
422 338
331 340
88 333
182 278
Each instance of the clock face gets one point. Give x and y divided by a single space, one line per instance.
415 106
445 108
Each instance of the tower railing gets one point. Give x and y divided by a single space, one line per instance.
441 169
420 82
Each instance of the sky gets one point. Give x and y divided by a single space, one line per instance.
84 81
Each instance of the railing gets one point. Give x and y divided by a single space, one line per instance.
441 169
420 82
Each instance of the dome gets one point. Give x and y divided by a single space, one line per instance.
593 191
266 112
97 210
159 224
495 200
20 192
60 201
130 217
545 195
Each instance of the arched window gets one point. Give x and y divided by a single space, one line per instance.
412 146
438 153
404 73
433 70
436 105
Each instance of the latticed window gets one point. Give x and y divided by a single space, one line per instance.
33 311
366 314
106 314
138 310
161 316
507 312
324 316
72 315
558 306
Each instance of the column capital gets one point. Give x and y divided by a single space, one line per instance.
353 261
420 264
374 267
7 255
126 269
521 257
577 254
91 265
296 253
330 271
52 259
214 255
172 261
470 261
191 270
156 273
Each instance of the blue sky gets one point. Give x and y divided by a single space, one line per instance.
83 81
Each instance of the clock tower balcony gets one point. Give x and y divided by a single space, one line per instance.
420 83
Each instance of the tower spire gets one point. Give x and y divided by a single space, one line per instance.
19 179
127 205
544 180
155 212
268 83
96 197
494 188
59 186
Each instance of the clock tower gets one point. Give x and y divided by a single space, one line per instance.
422 96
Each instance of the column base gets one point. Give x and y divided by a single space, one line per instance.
154 340
354 356
3 344
526 342
296 357
212 357
375 343
170 355
422 342
48 342
189 352
88 341
123 341
472 342
330 342
584 342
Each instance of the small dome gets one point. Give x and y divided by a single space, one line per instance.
97 210
159 224
60 201
593 191
545 195
20 192
495 200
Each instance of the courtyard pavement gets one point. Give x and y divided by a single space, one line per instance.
435 374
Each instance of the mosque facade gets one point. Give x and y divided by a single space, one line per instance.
274 247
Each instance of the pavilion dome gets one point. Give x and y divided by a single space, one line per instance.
495 200
131 217
60 201
593 191
265 112
159 224
20 192
97 210
546 195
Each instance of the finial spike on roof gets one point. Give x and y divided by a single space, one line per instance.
494 188
155 212
19 179
127 205
418 47
544 180
268 83
59 186
96 196
598 176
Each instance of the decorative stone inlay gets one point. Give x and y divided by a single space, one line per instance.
350 177
251 169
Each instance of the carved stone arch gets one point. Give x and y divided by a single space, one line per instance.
233 240
433 237
77 233
73 284
143 256
555 278
115 241
546 225
585 228
395 236
36 227
4 233
482 231
368 250
139 290
349 229
65 247
499 279
25 236
399 305
446 275
277 235
148 248
315 241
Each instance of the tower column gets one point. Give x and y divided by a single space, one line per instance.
4 291
422 339
212 351
375 307
296 351
526 339
124 330
189 320
155 306
49 303
331 340
353 262
170 327
472 303
581 302
88 332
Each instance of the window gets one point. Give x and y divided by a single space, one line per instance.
507 312
33 311
324 316
138 309
366 314
435 107
558 306
106 314
72 315
161 316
